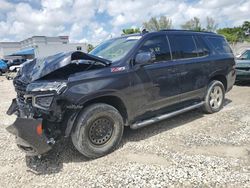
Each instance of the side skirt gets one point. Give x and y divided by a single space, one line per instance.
144 123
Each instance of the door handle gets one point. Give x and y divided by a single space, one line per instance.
173 71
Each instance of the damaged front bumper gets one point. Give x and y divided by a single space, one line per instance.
29 133
30 137
31 127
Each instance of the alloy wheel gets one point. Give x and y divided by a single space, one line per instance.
216 97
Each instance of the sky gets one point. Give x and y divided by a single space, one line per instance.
93 21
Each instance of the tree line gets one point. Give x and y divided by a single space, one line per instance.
233 35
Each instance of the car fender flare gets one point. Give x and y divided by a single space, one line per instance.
85 101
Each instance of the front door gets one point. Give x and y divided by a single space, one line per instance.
156 84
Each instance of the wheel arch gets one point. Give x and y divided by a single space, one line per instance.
111 100
221 78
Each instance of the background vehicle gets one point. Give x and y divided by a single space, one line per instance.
15 64
244 55
14 69
243 66
133 80
3 66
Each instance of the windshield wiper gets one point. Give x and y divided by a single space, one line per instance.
85 56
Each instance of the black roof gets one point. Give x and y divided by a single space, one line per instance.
180 31
183 30
172 31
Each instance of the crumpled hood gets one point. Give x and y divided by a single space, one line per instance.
242 63
39 68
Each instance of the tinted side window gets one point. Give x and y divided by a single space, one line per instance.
159 46
183 46
202 48
220 45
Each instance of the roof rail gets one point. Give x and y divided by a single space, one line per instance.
144 31
188 30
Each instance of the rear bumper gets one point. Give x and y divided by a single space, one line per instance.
231 77
28 138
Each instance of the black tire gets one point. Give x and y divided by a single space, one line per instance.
209 106
1 73
92 123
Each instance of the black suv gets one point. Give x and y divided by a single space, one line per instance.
133 80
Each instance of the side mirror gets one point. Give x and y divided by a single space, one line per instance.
144 58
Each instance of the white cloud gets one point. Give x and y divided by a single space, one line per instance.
211 4
97 33
76 18
179 11
120 20
55 4
83 40
5 5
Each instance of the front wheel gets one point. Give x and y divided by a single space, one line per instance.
215 97
98 131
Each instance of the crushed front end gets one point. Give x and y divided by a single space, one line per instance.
38 115
43 116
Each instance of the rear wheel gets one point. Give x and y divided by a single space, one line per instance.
215 97
98 131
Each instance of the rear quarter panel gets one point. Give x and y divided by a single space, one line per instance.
221 64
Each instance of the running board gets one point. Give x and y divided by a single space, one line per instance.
164 116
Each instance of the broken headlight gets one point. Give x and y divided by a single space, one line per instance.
42 101
58 87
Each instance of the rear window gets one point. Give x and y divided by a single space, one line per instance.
220 45
183 46
202 48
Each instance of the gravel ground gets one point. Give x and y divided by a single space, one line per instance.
191 150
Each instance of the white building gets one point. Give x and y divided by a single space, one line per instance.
39 46
7 48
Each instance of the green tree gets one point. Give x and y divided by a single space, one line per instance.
90 47
236 34
246 25
130 31
233 35
192 24
246 30
211 25
155 24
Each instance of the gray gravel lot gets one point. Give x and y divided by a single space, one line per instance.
191 150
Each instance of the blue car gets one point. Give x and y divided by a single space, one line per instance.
3 67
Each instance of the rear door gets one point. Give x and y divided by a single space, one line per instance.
192 55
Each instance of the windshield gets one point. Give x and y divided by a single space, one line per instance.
115 49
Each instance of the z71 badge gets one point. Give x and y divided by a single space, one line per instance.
118 69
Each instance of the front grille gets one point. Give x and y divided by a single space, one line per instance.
20 88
